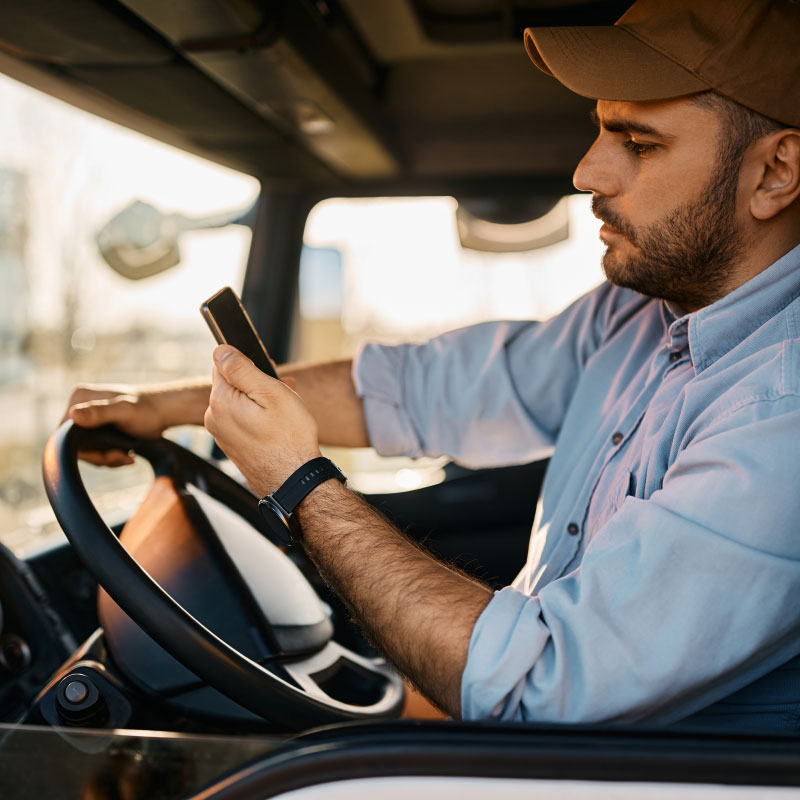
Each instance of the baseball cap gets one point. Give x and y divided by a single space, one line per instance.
746 50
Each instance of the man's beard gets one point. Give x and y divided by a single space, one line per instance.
687 257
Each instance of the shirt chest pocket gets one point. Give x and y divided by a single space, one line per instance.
609 497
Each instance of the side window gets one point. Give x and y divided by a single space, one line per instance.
67 316
392 270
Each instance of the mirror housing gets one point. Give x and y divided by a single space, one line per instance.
513 225
140 241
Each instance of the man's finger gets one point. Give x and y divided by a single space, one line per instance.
221 390
84 394
102 412
109 458
240 372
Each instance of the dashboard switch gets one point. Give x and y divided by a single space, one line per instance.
79 702
76 692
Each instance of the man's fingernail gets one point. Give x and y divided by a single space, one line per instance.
222 352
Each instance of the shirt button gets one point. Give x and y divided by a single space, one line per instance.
617 438
573 528
674 356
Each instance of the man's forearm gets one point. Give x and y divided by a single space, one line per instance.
181 403
329 394
418 611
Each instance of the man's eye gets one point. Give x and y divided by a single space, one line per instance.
638 149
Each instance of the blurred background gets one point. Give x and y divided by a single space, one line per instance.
387 268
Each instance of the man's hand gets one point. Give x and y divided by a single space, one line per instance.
261 424
141 412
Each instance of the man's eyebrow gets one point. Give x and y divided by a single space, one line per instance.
620 125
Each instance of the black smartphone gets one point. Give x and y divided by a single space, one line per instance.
230 324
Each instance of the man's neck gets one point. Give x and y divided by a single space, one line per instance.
763 246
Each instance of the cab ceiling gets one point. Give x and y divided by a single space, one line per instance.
356 94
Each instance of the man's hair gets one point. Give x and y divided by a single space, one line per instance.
741 126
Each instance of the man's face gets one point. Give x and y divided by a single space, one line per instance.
667 201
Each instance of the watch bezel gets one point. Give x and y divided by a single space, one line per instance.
276 519
282 513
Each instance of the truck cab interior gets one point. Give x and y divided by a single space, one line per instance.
142 651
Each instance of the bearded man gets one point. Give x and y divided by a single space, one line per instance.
664 566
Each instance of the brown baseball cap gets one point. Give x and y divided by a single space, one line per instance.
746 50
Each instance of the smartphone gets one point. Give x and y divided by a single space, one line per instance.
225 315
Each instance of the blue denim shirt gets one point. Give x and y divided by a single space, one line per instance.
663 574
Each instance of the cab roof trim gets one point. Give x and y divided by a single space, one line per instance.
308 93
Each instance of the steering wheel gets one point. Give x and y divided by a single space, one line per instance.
291 687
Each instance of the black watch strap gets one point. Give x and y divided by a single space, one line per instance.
281 503
303 480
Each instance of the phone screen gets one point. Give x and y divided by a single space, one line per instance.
230 324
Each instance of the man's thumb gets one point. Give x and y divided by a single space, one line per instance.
238 370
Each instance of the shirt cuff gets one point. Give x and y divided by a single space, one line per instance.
377 376
506 642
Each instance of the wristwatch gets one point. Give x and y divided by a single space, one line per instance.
276 509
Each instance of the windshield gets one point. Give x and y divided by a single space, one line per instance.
404 275
394 270
65 316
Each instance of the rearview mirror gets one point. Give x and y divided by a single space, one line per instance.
511 225
141 241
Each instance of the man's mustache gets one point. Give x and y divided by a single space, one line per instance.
601 209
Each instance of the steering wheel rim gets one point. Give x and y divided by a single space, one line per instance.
172 627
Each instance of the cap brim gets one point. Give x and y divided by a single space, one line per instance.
608 63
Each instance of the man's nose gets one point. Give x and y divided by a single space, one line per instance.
594 173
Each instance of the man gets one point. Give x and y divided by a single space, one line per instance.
664 567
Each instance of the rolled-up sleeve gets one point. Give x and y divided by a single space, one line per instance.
680 600
487 395
495 678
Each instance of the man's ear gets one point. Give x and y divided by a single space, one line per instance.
779 163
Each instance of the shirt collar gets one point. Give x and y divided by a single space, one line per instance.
716 329
676 322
